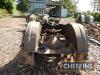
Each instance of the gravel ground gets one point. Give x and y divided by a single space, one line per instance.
10 40
94 55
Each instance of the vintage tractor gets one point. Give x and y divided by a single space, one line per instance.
60 42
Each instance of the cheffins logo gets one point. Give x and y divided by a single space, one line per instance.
77 65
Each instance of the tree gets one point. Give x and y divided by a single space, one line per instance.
69 5
23 5
8 5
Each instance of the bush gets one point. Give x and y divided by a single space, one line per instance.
3 12
76 14
7 4
23 6
96 16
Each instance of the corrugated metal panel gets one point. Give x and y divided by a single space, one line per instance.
38 6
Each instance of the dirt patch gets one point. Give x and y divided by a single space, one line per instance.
10 38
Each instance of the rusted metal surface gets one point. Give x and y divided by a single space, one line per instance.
32 36
81 37
77 40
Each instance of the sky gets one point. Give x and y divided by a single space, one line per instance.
84 5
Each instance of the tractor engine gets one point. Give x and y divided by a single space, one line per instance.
53 36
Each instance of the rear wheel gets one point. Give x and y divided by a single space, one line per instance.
78 44
78 40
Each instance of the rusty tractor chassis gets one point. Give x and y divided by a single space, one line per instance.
61 41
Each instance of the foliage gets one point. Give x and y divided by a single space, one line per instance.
23 6
76 14
69 5
7 4
96 16
3 12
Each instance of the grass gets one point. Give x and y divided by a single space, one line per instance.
3 12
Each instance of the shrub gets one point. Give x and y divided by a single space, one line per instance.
23 6
3 12
96 16
76 14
